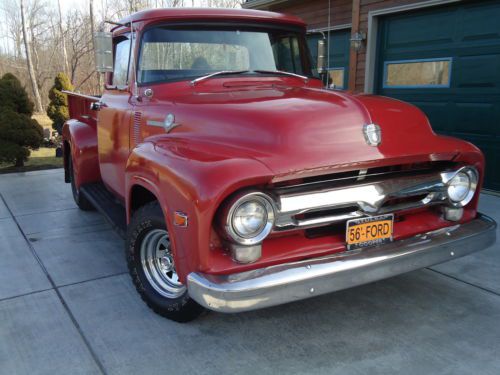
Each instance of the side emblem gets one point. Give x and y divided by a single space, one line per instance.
373 134
168 124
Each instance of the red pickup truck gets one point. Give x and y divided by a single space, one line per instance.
241 181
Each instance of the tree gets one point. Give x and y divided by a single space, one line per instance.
18 131
58 106
63 41
29 61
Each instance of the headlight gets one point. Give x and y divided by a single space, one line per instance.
250 218
462 186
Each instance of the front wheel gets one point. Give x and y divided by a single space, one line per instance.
152 267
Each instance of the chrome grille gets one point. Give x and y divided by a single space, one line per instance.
309 206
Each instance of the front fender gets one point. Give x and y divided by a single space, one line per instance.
82 141
194 178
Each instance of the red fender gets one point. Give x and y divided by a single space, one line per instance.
194 179
82 141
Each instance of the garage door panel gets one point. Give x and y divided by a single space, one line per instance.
487 15
477 72
404 33
475 118
468 35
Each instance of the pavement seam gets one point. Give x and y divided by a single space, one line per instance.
25 294
43 212
465 282
63 286
95 279
58 293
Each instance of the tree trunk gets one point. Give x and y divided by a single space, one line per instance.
99 80
63 40
19 162
29 62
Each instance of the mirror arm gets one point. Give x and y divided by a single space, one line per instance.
321 61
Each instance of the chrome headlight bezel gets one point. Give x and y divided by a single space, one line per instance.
473 177
264 201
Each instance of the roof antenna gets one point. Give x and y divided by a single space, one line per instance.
328 46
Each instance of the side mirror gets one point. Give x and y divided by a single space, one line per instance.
103 42
321 56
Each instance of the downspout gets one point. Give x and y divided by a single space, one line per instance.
353 55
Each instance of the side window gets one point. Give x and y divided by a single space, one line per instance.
122 55
287 54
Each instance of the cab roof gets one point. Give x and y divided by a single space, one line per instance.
212 14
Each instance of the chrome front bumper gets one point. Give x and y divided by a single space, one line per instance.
289 282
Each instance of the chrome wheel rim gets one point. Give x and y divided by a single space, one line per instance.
158 264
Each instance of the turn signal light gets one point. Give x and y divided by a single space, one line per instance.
180 219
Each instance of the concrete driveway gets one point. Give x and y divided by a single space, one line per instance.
67 306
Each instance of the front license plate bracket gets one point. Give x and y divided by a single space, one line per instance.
369 231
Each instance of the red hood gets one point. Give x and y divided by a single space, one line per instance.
302 130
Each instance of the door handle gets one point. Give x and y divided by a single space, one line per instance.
96 106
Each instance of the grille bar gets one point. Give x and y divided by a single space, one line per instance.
313 208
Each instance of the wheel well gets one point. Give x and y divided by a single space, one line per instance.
139 196
66 156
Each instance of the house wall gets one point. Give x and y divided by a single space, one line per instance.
342 12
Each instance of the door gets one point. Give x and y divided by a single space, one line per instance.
446 61
338 61
114 121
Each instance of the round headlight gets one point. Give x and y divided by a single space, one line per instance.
462 186
250 218
459 187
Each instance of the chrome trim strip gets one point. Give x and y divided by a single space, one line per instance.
290 282
159 124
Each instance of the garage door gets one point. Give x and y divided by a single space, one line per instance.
339 55
447 62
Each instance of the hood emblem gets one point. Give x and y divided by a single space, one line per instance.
373 134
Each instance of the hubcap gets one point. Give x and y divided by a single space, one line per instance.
158 264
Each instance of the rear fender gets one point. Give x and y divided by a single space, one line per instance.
80 139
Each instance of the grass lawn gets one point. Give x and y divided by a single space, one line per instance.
43 158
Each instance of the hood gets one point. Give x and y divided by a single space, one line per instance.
304 130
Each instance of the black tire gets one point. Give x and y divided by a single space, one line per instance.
178 306
80 200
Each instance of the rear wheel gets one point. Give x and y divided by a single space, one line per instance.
152 267
80 200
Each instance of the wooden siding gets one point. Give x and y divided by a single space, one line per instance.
315 12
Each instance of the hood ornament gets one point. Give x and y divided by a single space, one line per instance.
373 134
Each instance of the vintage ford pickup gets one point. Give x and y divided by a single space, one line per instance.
240 181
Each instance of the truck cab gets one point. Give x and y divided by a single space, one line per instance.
239 180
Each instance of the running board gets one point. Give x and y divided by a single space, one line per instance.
107 205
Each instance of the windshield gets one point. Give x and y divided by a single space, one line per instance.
172 54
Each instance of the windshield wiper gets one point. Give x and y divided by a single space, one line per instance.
220 73
282 73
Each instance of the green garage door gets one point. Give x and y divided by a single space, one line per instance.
447 62
339 55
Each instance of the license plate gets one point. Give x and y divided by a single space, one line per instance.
369 231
